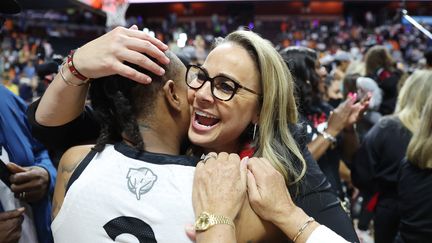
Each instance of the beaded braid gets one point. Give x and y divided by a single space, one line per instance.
118 101
112 102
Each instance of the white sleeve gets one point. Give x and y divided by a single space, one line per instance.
323 234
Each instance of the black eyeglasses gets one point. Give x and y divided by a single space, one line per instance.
222 88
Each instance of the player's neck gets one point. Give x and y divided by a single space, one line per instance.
160 137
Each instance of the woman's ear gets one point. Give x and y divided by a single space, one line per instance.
256 118
172 96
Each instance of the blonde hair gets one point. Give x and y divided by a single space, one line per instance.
278 107
412 97
419 150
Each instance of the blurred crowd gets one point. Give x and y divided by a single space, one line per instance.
336 42
332 63
22 59
404 42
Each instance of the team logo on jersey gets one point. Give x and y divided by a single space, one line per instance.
140 181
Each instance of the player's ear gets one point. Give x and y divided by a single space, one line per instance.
172 95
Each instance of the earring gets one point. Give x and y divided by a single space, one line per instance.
254 131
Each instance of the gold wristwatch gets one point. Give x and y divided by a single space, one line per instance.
206 220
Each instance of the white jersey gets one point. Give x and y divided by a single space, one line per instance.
119 196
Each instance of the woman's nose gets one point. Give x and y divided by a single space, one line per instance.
204 93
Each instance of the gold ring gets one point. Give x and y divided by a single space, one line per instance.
208 156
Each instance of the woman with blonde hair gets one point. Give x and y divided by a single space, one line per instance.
415 183
270 111
384 146
242 103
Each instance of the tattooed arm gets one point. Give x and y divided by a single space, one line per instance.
68 163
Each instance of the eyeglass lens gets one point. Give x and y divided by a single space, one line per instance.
222 87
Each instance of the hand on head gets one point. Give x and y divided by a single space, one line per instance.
106 55
29 184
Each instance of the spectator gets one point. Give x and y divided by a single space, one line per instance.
323 122
415 183
7 83
33 175
379 67
375 167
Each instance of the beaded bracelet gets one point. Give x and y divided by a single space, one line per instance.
304 226
68 82
73 69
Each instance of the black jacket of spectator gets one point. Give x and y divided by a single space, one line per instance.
377 162
388 81
375 169
414 204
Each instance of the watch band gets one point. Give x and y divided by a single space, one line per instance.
219 219
206 220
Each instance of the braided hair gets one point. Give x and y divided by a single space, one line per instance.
301 64
118 102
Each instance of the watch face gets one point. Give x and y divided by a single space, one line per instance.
203 221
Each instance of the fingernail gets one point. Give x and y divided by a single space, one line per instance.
149 80
162 71
22 209
167 60
354 97
349 94
189 227
245 160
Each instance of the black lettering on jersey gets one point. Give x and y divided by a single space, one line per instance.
130 225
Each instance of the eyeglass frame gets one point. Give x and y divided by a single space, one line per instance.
237 86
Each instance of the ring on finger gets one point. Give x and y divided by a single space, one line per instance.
208 156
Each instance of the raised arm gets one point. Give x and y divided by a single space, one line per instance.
63 101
